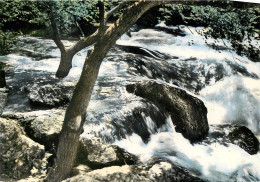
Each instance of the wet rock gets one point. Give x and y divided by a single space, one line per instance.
119 116
19 155
154 170
237 135
143 51
49 96
186 73
36 48
143 121
188 113
96 154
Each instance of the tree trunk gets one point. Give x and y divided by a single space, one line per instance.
75 114
65 64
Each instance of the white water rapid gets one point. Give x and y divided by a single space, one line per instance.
228 84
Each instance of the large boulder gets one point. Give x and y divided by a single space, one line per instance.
49 96
188 113
97 154
154 170
43 127
237 135
19 155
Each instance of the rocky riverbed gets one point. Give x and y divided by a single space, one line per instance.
167 106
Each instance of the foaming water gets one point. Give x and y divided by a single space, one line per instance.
234 100
230 89
214 162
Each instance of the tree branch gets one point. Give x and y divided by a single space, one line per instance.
83 43
79 27
113 10
56 34
102 14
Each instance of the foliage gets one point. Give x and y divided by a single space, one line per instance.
225 22
19 12
7 40
14 15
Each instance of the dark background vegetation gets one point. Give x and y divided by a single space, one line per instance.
235 21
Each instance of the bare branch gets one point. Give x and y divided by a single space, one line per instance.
113 10
56 34
79 27
102 13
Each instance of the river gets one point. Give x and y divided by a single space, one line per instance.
206 68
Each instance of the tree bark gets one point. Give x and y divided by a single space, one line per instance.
75 114
65 64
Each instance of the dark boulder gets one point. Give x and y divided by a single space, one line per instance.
237 135
49 96
188 113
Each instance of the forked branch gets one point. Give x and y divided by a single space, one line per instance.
56 34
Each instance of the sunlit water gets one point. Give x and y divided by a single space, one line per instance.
229 85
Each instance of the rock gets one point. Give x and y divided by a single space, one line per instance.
96 154
80 169
144 121
155 170
237 135
46 128
185 73
36 48
158 169
43 127
49 96
188 113
3 98
19 155
143 51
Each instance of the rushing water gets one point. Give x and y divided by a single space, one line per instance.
228 84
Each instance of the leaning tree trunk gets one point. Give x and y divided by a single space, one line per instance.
75 114
65 64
